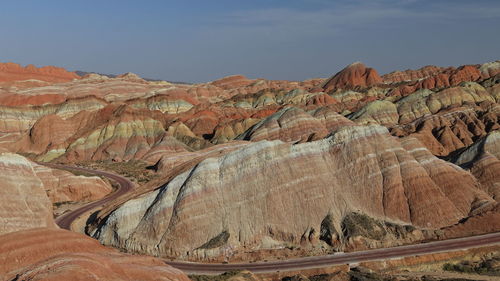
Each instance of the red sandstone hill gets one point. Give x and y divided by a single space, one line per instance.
354 75
10 72
226 146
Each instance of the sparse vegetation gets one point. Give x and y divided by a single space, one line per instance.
220 277
490 266
364 274
134 169
217 241
356 224
59 204
328 233
79 173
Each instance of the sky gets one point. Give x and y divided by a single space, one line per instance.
203 40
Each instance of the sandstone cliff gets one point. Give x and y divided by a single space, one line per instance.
24 202
275 191
53 254
14 72
31 246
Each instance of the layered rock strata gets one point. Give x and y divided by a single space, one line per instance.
250 196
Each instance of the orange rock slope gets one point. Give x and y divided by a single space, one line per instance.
51 254
354 75
33 248
417 143
10 72
275 193
24 202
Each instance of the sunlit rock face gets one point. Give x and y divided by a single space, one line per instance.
264 164
62 186
10 72
483 160
33 248
54 254
29 190
354 75
24 202
91 118
279 191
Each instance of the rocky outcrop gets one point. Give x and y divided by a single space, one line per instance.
219 112
331 119
483 160
129 76
231 82
452 129
312 161
487 221
29 190
31 248
489 69
293 124
448 120
228 132
290 124
14 72
166 146
62 186
24 202
426 102
412 75
438 78
169 102
20 119
254 193
50 254
377 112
353 76
115 132
122 138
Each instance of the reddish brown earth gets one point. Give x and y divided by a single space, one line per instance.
33 248
10 72
53 254
24 204
387 152
431 77
412 75
63 186
232 82
354 75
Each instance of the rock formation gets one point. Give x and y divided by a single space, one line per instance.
354 75
24 202
62 186
31 246
260 164
51 254
251 195
290 124
483 160
10 72
232 82
411 75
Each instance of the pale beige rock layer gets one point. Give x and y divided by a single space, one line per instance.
24 204
278 191
53 254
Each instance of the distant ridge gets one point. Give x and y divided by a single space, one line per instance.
83 73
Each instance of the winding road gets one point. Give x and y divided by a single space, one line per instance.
342 258
126 185
64 221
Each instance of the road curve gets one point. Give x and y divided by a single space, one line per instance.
64 221
126 185
341 258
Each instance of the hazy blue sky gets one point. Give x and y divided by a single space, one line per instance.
201 40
